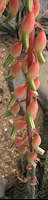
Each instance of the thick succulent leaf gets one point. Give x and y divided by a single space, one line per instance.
13 132
9 60
12 100
7 114
9 77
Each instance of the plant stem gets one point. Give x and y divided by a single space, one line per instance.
28 100
39 25
31 189
24 100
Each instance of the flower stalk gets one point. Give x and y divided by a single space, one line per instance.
29 65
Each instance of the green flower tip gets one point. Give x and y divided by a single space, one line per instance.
30 121
29 5
25 39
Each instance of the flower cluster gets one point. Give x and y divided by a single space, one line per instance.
29 64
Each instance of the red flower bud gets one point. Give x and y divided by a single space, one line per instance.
32 109
22 149
40 42
24 65
2 6
23 180
31 39
20 123
31 156
20 91
13 6
29 22
34 181
36 140
15 69
29 167
15 108
36 7
7 1
35 143
31 42
37 83
19 141
27 25
16 49
33 70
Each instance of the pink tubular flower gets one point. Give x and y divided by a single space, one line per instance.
31 42
15 108
34 181
2 6
35 143
7 1
40 42
16 49
24 65
23 180
37 83
20 141
36 7
32 109
33 70
36 140
22 149
20 123
31 39
13 6
31 156
29 22
15 69
29 167
20 90
21 30
27 25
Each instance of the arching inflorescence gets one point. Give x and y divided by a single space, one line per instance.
29 65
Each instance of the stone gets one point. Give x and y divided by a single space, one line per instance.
2 187
43 76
